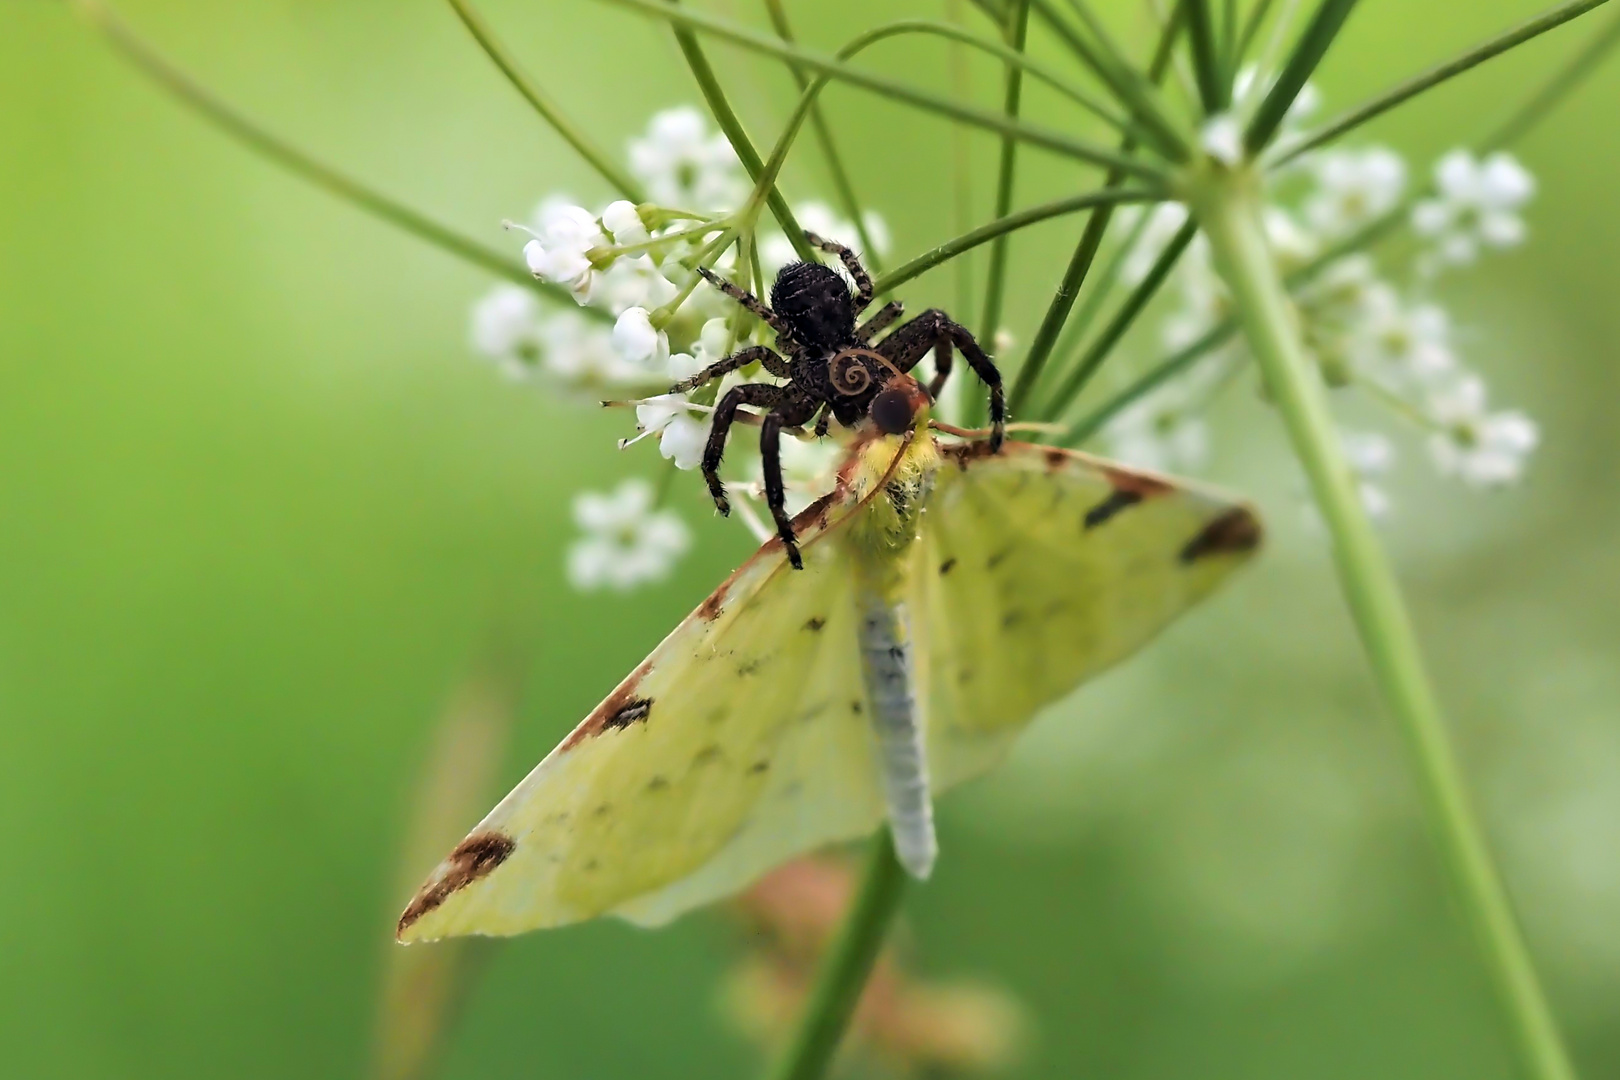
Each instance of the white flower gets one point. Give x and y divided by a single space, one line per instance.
632 283
506 328
1354 187
564 233
1482 449
710 345
637 342
580 353
1164 221
1222 138
626 540
1160 432
1003 342
1410 343
685 167
1478 205
682 435
1291 244
622 220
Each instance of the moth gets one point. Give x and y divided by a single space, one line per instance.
948 593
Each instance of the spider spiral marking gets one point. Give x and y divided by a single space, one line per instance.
849 375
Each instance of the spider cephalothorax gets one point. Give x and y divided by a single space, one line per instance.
833 368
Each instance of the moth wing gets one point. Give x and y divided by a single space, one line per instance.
1041 567
738 744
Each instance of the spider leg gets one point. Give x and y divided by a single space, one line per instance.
790 413
934 329
736 361
747 299
852 263
762 395
880 322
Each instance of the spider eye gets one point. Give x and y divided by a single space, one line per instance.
893 411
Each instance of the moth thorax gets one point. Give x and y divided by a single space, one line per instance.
899 406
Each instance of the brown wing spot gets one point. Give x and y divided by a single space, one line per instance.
855 707
1012 619
966 453
814 624
634 711
758 767
997 559
1235 531
657 783
706 756
1055 459
1117 500
750 667
623 701
473 858
714 605
945 567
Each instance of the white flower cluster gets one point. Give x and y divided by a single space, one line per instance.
647 321
1395 344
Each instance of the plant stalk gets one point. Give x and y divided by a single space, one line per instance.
1228 204
846 966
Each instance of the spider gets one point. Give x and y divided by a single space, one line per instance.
834 371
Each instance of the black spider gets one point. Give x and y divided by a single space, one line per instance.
831 368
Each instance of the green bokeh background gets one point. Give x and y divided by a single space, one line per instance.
261 512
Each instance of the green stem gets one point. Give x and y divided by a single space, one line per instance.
1569 75
282 153
545 106
960 79
1438 74
1308 51
843 187
846 966
950 249
1127 84
1055 141
1229 206
1213 93
1111 335
996 275
1085 252
731 125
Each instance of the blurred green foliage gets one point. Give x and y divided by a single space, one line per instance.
261 513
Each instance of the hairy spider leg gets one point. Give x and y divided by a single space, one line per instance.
852 263
792 412
739 359
934 329
747 299
885 317
760 395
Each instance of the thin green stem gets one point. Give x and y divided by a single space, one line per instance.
959 78
1074 331
1055 141
843 187
1568 76
1085 252
1251 27
950 249
1111 335
543 104
1308 51
1229 205
1006 175
1213 92
1417 84
1158 129
845 968
279 152
1168 368
731 125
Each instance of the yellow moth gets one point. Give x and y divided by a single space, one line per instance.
948 593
